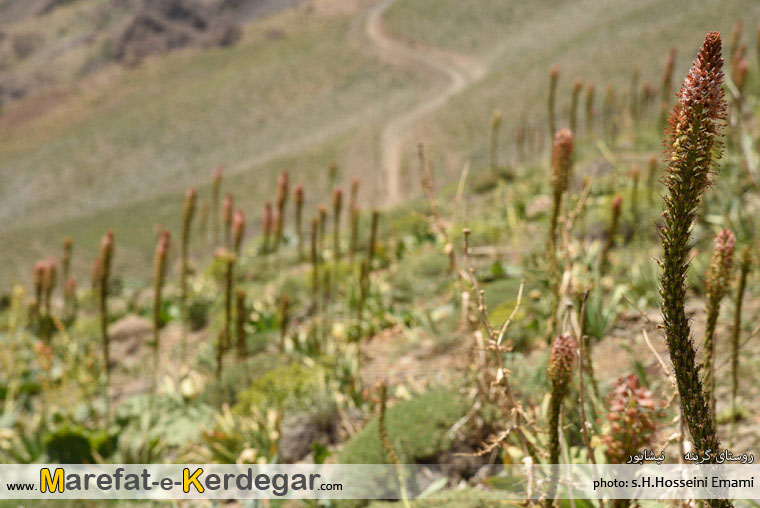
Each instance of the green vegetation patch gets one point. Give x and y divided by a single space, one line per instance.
418 429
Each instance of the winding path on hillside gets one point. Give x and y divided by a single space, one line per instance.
458 71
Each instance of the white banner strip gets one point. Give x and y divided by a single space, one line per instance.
372 481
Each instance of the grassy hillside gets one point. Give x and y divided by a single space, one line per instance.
298 92
599 42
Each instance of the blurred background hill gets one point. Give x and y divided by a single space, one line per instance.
110 108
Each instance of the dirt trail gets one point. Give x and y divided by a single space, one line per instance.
459 72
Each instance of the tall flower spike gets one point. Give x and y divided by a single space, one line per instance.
553 79
611 233
337 209
691 146
560 370
266 226
745 263
716 285
159 275
238 230
298 197
575 99
188 211
283 186
106 257
216 187
228 206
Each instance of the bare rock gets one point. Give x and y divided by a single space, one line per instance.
300 431
163 25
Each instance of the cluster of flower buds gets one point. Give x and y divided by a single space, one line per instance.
721 264
562 359
562 154
633 411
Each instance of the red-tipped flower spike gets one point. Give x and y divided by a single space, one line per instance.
238 230
691 146
632 417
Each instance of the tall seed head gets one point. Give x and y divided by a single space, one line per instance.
562 156
188 205
106 252
38 278
721 264
691 146
695 124
562 359
238 230
266 219
283 184
159 264
228 205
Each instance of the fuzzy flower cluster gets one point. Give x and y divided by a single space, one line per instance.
562 154
562 359
633 412
721 265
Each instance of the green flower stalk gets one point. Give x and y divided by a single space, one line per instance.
159 277
716 285
49 282
635 177
652 170
314 259
575 99
238 231
266 227
561 173
757 45
298 198
228 205
633 97
203 223
520 135
647 96
104 271
353 210
224 339
283 186
240 318
363 289
337 202
284 320
553 79
37 280
695 124
589 111
96 271
188 211
666 88
611 233
388 448
70 290
495 127
745 264
322 214
560 370
216 187
332 174
68 246
371 248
